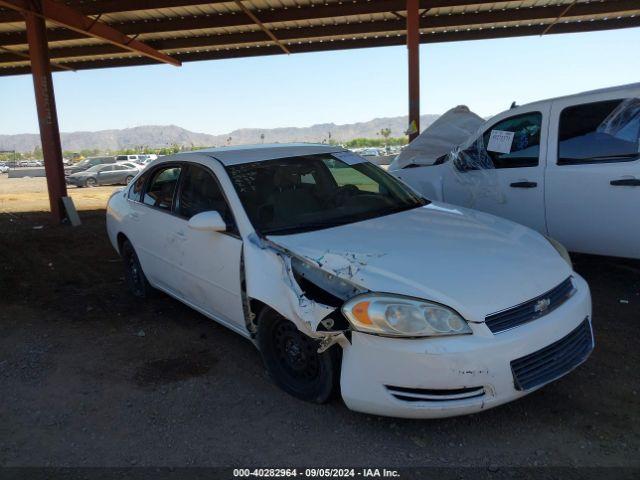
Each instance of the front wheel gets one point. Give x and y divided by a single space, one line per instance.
293 361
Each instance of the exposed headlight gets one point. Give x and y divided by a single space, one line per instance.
402 316
561 250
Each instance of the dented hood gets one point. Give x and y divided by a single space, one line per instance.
473 262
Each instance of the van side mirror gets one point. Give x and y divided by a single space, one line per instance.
208 221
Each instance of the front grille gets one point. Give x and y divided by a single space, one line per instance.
530 310
430 395
554 360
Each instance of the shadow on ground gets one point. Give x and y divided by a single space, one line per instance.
92 376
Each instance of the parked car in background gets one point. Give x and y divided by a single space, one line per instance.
4 168
88 163
340 273
132 165
138 158
568 167
108 174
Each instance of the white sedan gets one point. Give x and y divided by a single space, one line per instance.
340 274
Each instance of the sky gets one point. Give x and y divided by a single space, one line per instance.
300 90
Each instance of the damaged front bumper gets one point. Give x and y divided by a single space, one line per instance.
449 376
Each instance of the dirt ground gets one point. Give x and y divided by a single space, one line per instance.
90 376
30 195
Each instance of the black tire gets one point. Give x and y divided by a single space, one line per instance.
134 276
90 182
293 361
127 180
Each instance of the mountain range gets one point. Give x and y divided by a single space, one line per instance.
158 136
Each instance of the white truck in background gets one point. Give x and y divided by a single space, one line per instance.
568 167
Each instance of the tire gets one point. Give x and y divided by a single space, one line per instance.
136 280
293 361
90 182
127 180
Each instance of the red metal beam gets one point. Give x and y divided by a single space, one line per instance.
612 7
257 21
46 107
69 18
346 44
413 47
99 7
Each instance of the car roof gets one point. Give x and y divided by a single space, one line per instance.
236 155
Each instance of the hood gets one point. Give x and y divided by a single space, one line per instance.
448 131
473 262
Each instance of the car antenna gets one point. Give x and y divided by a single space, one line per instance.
513 105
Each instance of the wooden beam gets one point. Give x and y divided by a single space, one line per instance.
69 18
257 21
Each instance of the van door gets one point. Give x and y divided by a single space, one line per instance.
593 176
502 171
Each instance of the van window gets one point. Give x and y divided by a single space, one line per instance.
599 132
525 145
510 143
200 192
161 188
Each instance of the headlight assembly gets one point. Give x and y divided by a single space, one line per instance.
402 317
561 250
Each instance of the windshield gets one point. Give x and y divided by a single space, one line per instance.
299 194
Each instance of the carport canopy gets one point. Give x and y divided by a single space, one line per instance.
44 36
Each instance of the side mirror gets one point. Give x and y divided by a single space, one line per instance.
208 221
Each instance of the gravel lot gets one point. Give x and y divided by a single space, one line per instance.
90 376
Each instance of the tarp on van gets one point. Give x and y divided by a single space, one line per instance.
448 131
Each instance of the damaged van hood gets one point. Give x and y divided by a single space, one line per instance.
447 254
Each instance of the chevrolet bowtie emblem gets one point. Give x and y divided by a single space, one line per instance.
542 305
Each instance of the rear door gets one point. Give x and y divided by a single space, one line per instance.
593 176
502 171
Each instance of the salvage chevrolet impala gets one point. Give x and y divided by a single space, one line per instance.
342 275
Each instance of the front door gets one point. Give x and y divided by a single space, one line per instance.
502 171
593 175
209 262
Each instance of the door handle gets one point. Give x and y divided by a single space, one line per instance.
180 234
626 182
134 216
524 184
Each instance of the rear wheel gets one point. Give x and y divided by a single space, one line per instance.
293 361
134 276
128 180
90 182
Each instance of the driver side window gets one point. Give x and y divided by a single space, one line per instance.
510 143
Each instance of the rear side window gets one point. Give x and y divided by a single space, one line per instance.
599 132
161 188
200 192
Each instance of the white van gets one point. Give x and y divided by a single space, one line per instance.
568 167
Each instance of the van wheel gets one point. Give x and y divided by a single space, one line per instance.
134 276
293 361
